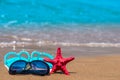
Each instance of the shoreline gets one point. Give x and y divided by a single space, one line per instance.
77 51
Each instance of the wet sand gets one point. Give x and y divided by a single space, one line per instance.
89 64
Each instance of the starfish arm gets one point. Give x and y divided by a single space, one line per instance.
69 59
49 60
64 70
54 69
59 53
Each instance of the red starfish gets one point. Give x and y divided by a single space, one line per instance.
59 63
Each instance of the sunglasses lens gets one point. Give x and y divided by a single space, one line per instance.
39 67
17 67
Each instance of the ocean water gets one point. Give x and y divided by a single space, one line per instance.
65 22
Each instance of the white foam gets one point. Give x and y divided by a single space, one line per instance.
26 39
10 23
81 44
45 43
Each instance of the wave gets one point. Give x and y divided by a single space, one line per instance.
52 43
68 33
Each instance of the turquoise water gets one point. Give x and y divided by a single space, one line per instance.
60 11
72 21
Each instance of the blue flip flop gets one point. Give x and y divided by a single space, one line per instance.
11 57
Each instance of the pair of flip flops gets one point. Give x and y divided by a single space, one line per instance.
35 55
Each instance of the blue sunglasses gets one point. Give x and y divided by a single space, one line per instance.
37 67
33 63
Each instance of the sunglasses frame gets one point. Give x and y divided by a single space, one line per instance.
28 70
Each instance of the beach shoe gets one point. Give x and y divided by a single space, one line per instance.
35 55
11 57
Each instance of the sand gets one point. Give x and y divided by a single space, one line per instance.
100 67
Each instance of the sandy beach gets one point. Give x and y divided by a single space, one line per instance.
84 67
88 30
